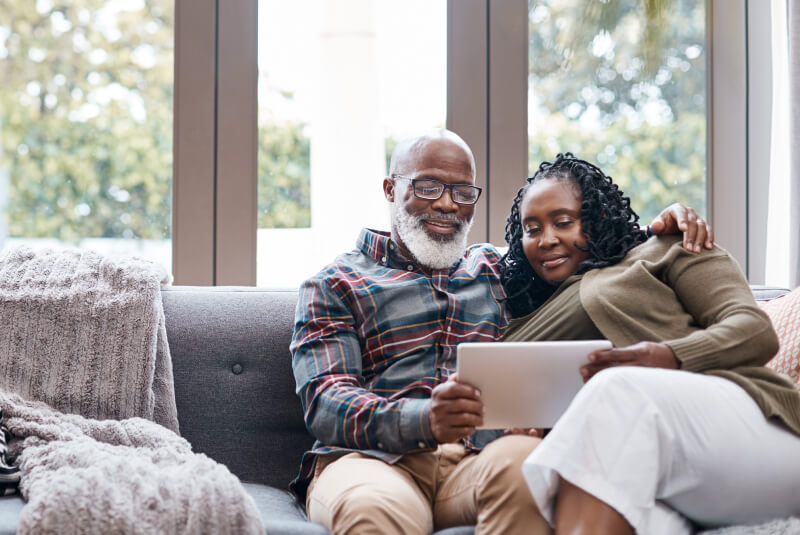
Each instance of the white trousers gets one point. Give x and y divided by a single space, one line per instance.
663 446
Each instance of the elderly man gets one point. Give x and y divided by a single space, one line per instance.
374 350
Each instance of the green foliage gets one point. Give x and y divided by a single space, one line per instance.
86 119
284 171
86 125
654 165
622 83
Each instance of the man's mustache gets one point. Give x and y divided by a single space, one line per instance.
442 217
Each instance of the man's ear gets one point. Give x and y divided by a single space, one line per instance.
388 189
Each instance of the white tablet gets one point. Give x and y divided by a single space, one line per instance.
525 384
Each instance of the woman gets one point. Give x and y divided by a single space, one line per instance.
646 446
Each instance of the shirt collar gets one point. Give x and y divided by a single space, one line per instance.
378 245
375 244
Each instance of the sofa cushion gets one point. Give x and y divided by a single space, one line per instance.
234 385
785 315
280 511
10 507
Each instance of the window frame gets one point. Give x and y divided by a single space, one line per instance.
215 126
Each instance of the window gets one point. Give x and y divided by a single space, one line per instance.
339 84
86 125
623 85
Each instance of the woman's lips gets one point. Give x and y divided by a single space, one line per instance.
551 263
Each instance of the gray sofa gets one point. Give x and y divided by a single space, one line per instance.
235 394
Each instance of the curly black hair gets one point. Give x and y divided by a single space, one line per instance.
606 217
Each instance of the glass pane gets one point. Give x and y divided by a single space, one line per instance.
622 84
340 82
86 125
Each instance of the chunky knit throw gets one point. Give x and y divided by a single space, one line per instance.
84 366
85 334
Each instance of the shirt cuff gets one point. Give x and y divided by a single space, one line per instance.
415 426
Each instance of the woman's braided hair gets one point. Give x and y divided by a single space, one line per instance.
606 217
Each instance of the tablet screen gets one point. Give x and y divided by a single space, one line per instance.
525 384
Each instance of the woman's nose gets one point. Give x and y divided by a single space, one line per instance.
548 238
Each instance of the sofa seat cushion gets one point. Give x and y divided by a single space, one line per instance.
785 315
281 512
10 507
283 515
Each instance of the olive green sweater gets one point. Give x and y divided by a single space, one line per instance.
701 306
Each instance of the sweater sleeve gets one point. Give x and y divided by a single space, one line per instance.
735 331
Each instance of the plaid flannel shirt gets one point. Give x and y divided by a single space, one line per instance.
374 335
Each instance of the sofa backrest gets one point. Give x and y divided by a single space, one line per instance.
234 385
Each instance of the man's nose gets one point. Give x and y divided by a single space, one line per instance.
445 202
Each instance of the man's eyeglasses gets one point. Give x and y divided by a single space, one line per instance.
431 189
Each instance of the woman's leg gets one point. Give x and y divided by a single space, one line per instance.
580 513
659 446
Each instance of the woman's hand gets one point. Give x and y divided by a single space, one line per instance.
651 354
678 218
456 410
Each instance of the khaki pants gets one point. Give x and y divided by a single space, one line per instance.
425 491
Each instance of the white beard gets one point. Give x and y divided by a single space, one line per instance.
432 252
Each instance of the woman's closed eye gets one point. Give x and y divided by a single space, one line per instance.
532 231
564 223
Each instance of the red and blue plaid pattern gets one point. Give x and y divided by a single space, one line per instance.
374 335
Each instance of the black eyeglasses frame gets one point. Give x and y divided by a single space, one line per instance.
445 187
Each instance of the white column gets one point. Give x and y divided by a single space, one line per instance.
347 146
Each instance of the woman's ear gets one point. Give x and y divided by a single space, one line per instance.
388 189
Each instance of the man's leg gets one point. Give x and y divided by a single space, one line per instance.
360 494
488 490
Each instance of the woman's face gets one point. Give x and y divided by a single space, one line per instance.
550 213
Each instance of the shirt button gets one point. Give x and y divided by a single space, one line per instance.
237 369
449 329
410 267
380 445
383 259
421 444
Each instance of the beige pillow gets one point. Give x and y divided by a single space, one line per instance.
785 315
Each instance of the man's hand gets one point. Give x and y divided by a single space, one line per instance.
677 218
652 354
456 410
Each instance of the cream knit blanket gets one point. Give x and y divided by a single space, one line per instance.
128 476
85 335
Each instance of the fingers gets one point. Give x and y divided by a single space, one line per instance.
456 411
690 242
462 406
455 390
709 237
705 235
697 233
589 370
657 225
613 355
652 354
680 215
